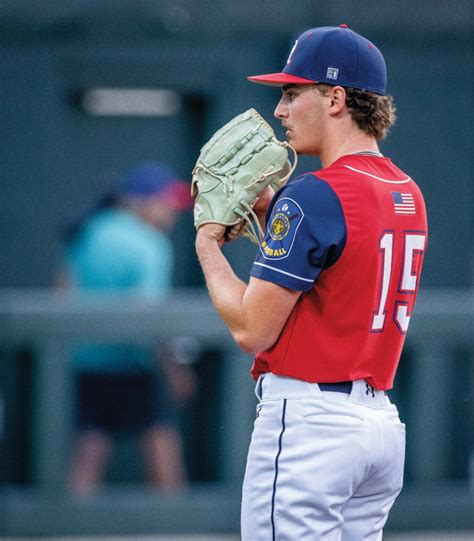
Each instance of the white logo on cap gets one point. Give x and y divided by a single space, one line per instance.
291 52
332 73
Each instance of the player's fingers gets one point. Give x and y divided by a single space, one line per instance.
264 198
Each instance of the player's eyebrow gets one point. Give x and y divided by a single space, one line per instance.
295 87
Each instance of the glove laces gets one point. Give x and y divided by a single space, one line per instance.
254 230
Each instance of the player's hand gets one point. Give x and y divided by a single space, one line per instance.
263 200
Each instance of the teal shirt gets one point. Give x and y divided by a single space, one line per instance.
117 251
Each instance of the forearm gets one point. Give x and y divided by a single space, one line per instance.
254 313
226 290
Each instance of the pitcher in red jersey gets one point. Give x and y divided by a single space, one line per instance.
328 303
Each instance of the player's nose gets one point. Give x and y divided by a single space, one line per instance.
281 110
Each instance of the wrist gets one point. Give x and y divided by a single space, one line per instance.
207 238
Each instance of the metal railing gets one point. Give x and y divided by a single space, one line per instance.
52 322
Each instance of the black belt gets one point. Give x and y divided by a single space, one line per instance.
339 387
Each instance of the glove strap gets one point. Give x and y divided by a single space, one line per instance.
254 230
255 233
284 180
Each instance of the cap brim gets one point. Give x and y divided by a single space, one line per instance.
279 79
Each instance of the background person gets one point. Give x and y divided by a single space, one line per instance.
328 304
122 244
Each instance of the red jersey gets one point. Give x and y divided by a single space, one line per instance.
359 271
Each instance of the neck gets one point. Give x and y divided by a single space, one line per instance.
343 143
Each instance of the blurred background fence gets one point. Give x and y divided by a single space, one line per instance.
434 392
65 131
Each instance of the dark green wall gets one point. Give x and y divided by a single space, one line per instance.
53 157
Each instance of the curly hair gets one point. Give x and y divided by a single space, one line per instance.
373 113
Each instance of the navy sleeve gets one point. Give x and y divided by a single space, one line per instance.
306 233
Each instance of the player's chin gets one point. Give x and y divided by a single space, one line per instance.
302 147
299 149
292 140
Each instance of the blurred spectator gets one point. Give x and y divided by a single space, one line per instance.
121 244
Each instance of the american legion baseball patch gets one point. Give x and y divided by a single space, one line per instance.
282 227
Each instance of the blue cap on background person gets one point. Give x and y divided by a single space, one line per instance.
141 181
333 55
155 179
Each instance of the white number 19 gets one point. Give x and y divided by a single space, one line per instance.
414 243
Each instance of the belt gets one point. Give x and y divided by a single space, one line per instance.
273 387
339 387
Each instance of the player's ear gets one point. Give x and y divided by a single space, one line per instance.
337 99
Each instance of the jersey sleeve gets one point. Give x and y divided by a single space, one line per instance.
305 233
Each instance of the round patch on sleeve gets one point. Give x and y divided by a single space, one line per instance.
282 227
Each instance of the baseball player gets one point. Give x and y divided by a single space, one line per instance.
328 303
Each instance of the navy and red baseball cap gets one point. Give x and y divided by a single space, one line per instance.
155 179
334 55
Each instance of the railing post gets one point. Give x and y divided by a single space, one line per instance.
51 415
429 432
237 415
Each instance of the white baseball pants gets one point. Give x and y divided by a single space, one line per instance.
321 465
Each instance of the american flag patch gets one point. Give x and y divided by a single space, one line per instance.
403 203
